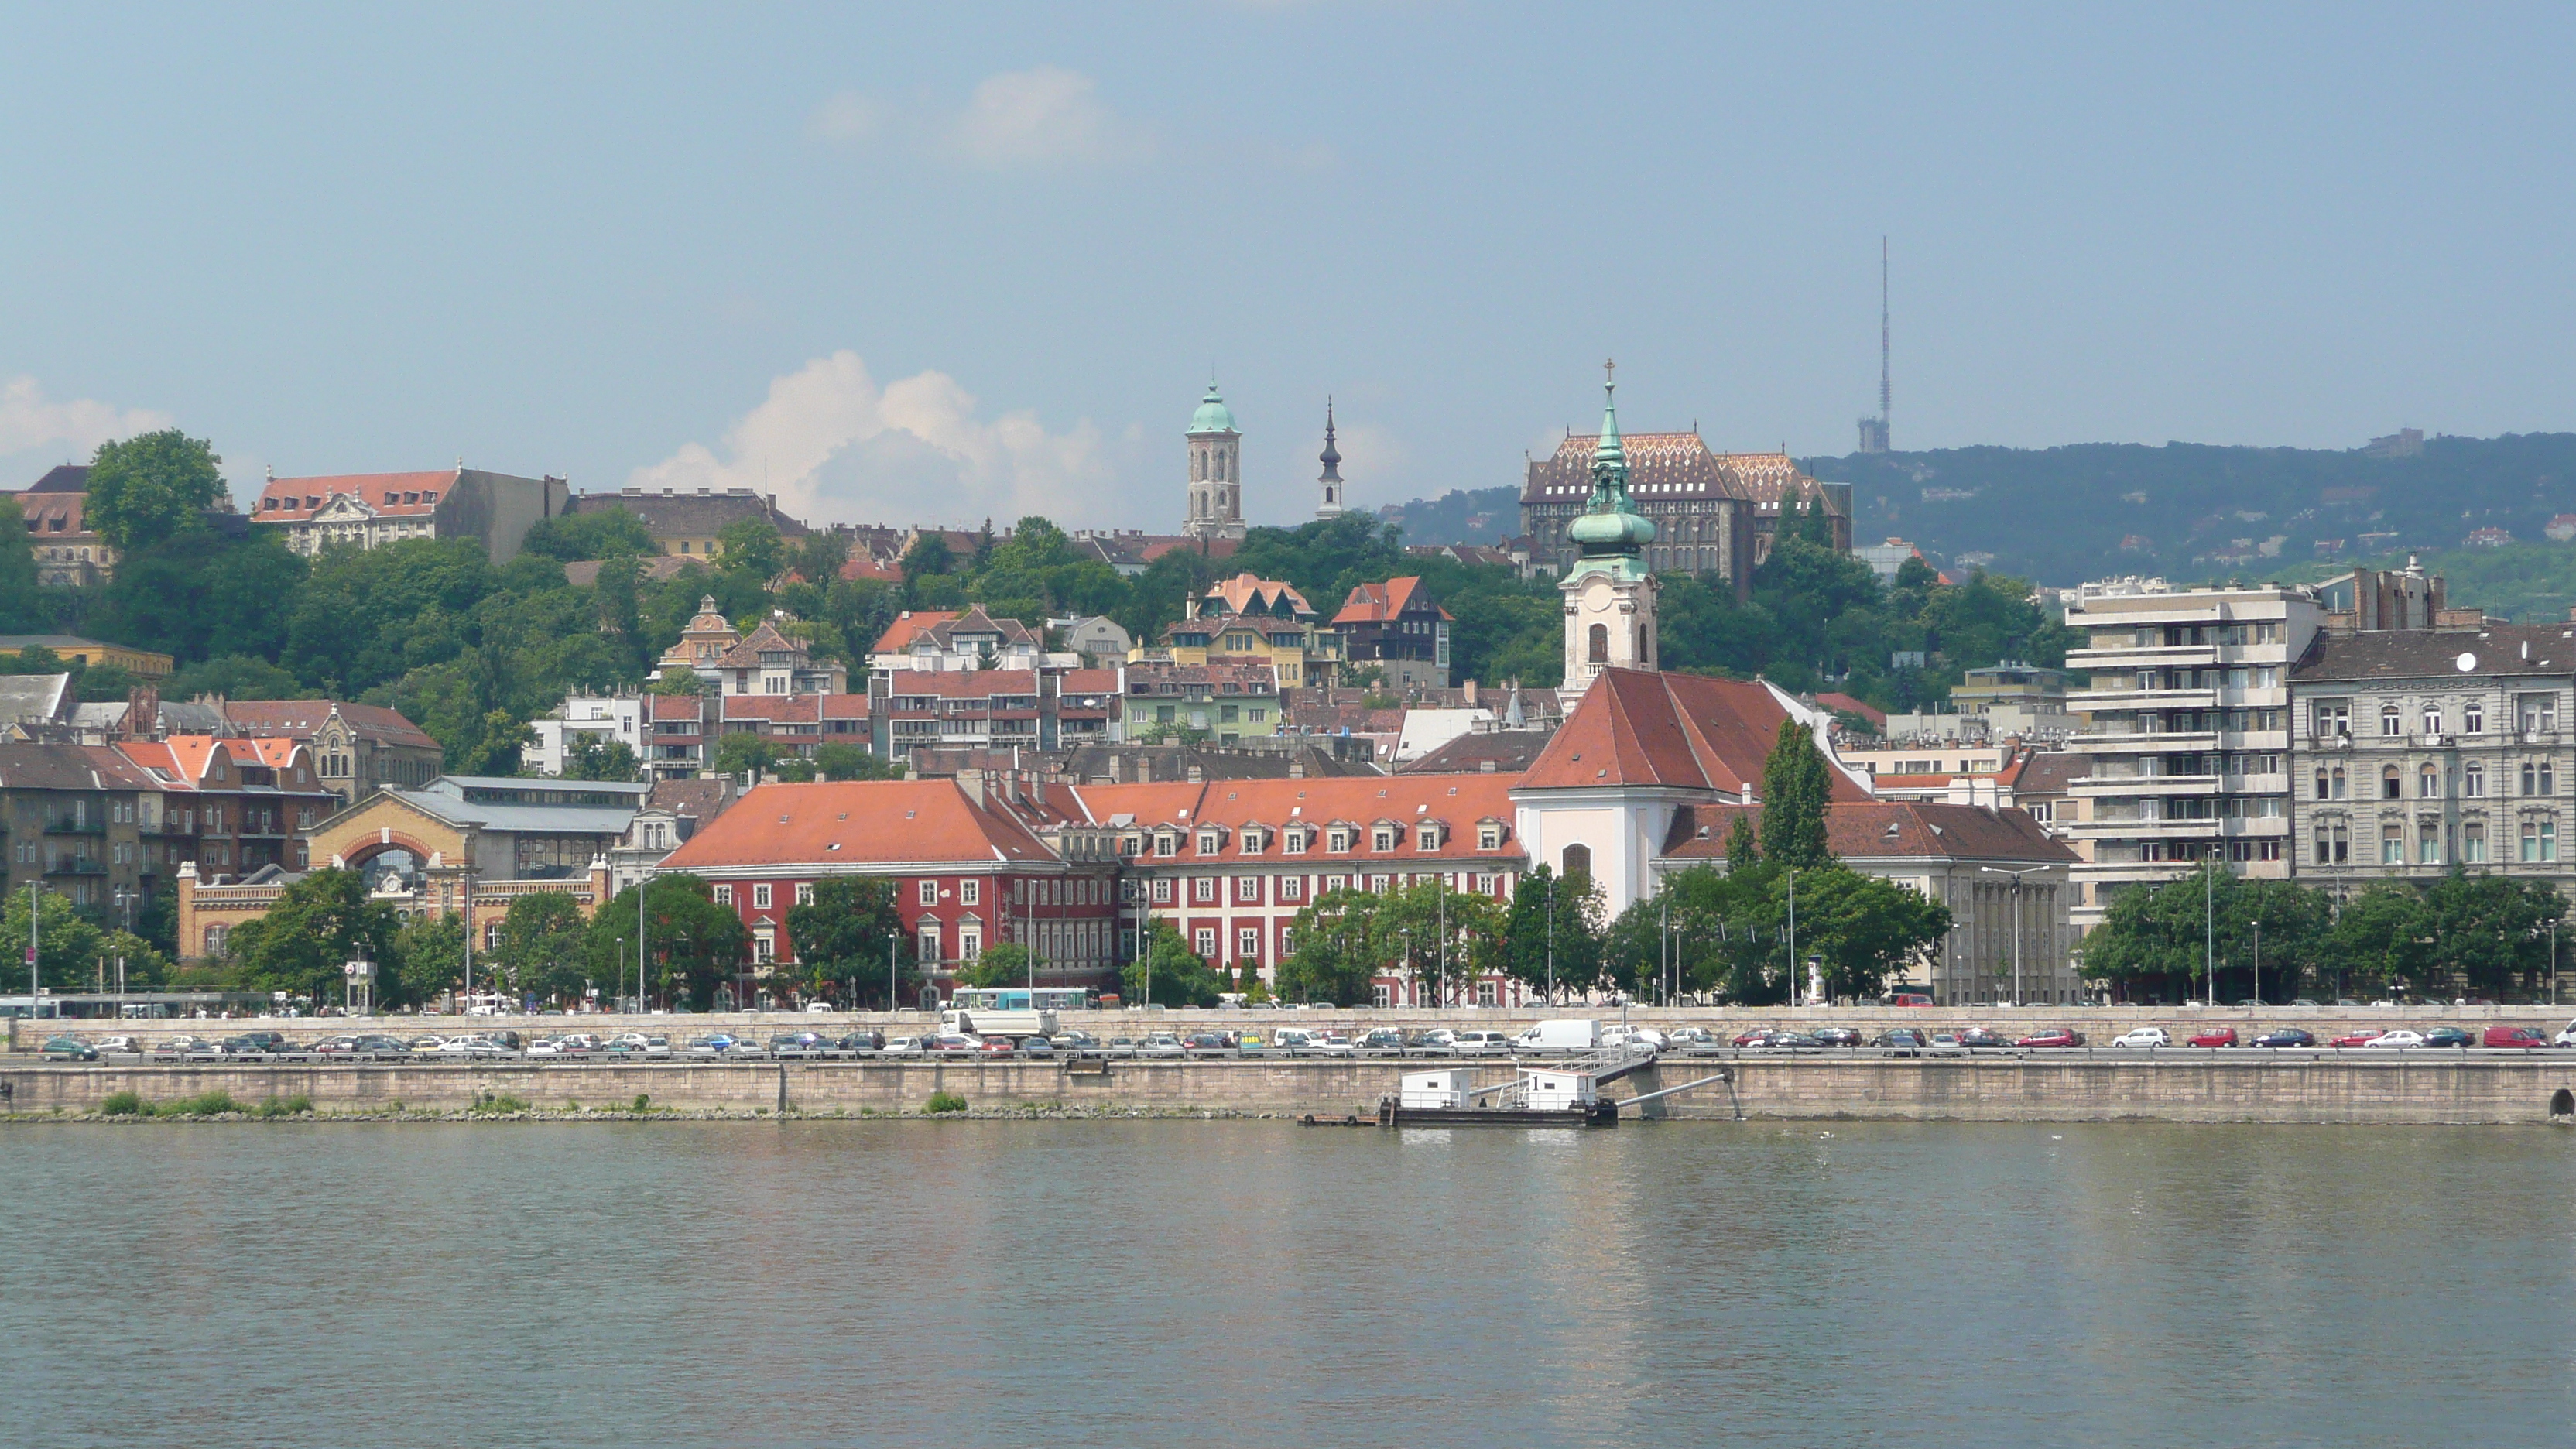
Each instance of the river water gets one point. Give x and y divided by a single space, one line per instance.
1254 1283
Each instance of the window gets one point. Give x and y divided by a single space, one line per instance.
2339 783
1292 888
2391 784
1167 845
724 895
1257 714
2473 844
1484 885
1203 888
2392 845
1204 941
1295 843
1247 944
1210 842
1287 941
929 947
929 893
2473 781
1577 861
1382 838
2473 718
2428 783
2432 719
1379 994
2537 775
2537 712
2321 786
760 896
970 942
1489 836
970 893
2332 716
1337 882
1426 837
1253 840
2389 722
1247 890
804 893
1337 840
1163 891
1485 994
1597 644
2428 843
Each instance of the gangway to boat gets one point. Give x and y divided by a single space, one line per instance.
1545 1094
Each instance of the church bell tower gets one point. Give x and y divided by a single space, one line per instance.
1609 594
1216 471
1331 481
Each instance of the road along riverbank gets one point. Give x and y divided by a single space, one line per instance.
2396 1088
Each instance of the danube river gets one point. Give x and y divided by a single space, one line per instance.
1253 1283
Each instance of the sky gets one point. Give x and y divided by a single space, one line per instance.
934 263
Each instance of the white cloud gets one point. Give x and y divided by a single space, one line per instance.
30 423
835 447
1047 116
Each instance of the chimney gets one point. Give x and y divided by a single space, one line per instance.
1117 768
1467 692
971 780
1485 766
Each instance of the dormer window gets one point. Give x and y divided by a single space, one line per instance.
1489 836
1426 837
1254 840
1338 840
1210 842
1382 838
1294 843
1167 844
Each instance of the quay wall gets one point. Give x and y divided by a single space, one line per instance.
2073 1087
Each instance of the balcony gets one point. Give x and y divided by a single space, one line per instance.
81 825
76 865
2143 742
2099 700
2142 656
2116 786
2098 828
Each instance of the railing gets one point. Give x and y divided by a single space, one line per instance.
75 826
77 865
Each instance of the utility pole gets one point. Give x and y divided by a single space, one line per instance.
2016 917
1551 941
2258 960
1793 938
35 940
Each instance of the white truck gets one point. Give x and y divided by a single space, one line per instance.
1563 1034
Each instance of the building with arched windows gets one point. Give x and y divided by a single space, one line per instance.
1216 472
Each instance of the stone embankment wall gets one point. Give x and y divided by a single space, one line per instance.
2073 1087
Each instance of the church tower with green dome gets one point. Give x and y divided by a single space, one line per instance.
1609 595
1216 471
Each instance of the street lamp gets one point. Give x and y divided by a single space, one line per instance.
2257 923
2016 916
894 984
1551 939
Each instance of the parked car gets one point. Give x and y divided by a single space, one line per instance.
1979 1036
1160 1044
800 1044
1119 1046
1383 1041
2062 1036
997 1044
1780 1039
2213 1036
1482 1043
1207 1043
1946 1044
1334 1044
709 1046
1077 1043
636 1043
2359 1037
1690 1038
119 1046
2449 1036
1293 1041
1841 1036
546 1046
905 1046
1436 1042
69 1049
2396 1040
953 1043
1751 1036
2525 1037
2286 1036
2143 1036
1036 1046
1901 1041
2566 1036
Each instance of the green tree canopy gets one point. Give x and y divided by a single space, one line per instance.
319 924
1169 973
745 753
545 947
1797 787
601 533
1005 963
844 934
589 755
693 945
151 487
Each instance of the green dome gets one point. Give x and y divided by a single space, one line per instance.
1611 533
1212 416
1609 528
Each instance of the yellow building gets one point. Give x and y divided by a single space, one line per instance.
93 653
1252 620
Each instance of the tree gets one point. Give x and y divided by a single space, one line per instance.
21 607
2488 932
591 756
1527 940
817 557
69 942
677 682
745 753
1863 927
841 760
151 487
592 534
2379 940
844 935
235 676
1006 963
544 946
1797 787
694 944
1169 972
1742 850
318 925
750 546
428 958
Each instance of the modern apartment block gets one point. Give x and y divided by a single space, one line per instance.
2187 735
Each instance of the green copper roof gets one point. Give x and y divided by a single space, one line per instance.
1212 416
1609 528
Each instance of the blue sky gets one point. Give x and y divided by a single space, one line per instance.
938 261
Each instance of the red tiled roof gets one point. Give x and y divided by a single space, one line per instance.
835 826
299 718
55 515
1377 603
1848 705
782 708
1637 727
961 683
388 493
1868 829
1245 591
898 635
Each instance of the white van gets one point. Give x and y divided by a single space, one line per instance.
1564 1034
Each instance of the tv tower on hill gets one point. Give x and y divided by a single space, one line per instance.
1873 431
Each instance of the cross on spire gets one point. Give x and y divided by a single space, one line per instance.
1610 372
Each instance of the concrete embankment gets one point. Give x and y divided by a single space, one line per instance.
2418 1088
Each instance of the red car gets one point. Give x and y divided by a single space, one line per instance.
2361 1038
2515 1036
2213 1036
2053 1036
999 1044
1752 1036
